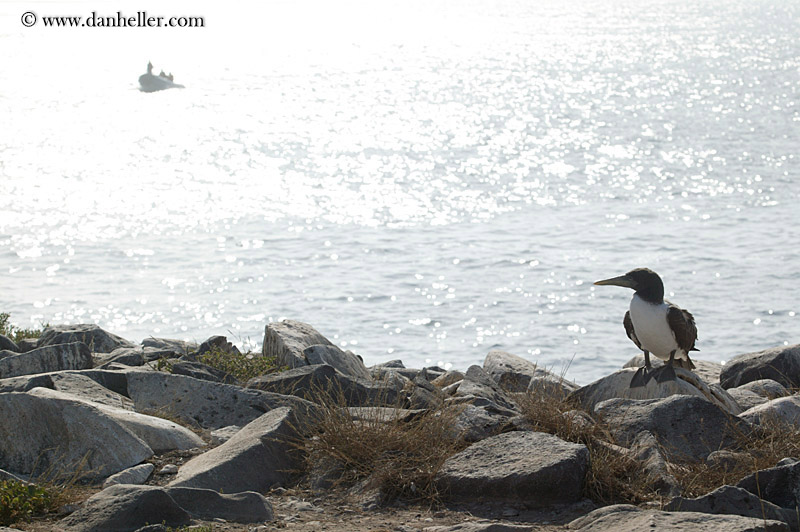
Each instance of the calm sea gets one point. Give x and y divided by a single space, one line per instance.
418 180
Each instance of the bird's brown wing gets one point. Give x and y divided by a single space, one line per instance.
682 324
629 330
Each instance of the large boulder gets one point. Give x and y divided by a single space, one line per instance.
344 361
781 364
483 390
785 410
208 404
98 340
707 370
23 383
288 339
45 359
7 344
687 427
617 385
159 434
257 458
779 485
627 518
181 347
38 433
511 372
125 508
133 356
533 468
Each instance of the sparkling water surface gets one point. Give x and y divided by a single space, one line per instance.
417 181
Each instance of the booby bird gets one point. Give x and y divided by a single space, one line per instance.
656 326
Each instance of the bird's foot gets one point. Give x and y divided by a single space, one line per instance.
664 374
640 378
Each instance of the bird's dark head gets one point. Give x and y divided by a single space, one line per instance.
644 281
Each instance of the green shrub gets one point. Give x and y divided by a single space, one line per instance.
14 332
241 366
21 502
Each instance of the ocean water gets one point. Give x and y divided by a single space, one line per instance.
418 180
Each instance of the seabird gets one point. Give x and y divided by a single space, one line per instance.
656 326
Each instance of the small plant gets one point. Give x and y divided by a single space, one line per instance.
14 332
164 364
241 366
21 502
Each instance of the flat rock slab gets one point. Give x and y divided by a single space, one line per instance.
530 467
126 508
161 435
626 518
688 427
97 339
210 405
84 387
133 475
617 385
728 500
45 359
257 458
781 364
44 432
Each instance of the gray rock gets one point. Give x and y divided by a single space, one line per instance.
344 361
707 370
210 405
779 485
531 467
122 508
785 410
257 458
244 507
181 347
478 383
617 385
7 344
727 460
133 475
510 372
448 378
198 370
220 436
321 380
135 356
159 434
728 500
687 427
23 383
27 344
781 364
477 423
646 450
98 340
47 432
83 387
288 339
766 388
627 518
746 399
384 414
45 359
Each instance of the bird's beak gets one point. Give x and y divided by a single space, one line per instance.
622 280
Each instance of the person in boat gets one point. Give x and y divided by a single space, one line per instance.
150 68
162 74
170 77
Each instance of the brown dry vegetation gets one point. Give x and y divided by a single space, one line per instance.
385 451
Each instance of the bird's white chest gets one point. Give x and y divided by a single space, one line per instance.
651 327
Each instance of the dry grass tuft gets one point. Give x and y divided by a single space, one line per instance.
761 447
382 450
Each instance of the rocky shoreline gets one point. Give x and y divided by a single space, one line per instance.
165 441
